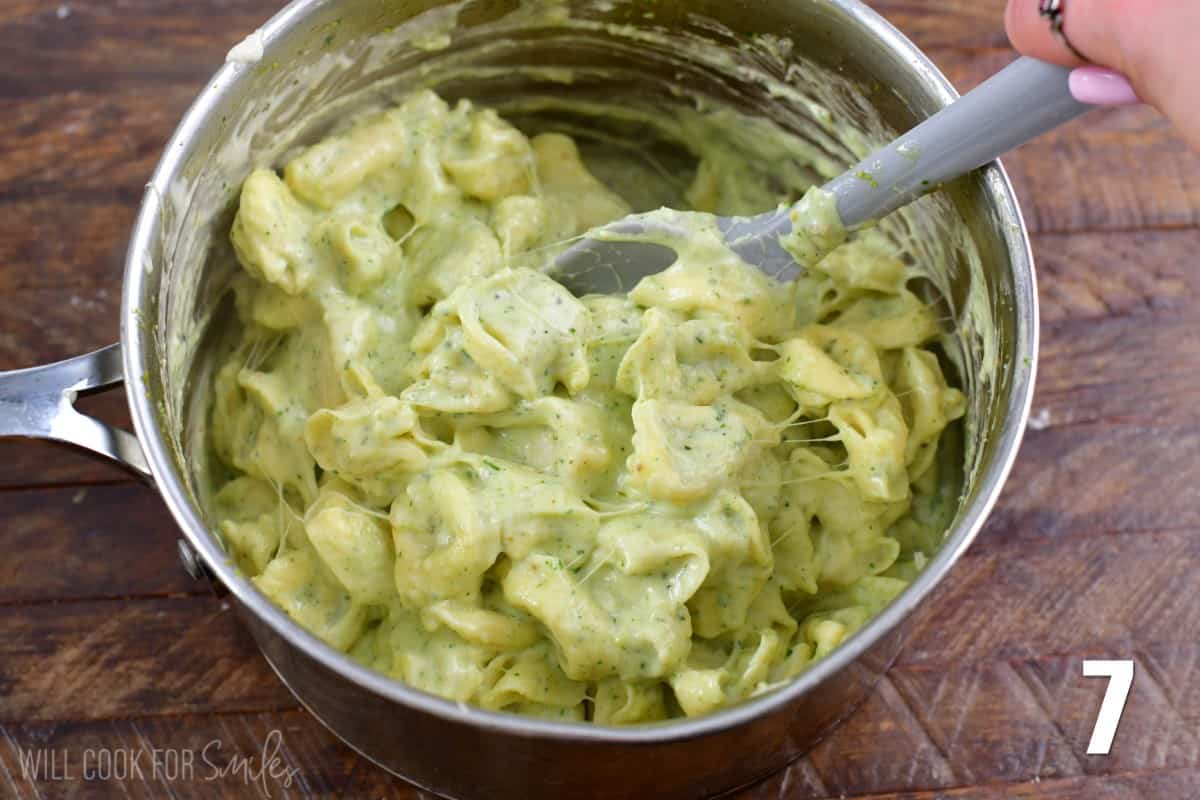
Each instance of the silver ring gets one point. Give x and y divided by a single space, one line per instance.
1053 10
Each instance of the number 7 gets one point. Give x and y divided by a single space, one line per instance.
1120 679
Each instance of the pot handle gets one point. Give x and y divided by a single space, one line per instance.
39 403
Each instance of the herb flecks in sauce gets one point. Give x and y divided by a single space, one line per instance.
616 508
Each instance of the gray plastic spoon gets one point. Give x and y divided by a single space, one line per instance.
1021 102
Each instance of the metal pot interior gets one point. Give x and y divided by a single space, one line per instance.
547 64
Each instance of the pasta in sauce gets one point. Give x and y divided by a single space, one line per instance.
613 508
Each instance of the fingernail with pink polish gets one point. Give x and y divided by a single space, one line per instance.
1102 87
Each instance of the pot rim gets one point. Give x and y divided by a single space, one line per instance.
1001 197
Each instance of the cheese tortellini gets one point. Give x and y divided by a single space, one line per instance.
616 509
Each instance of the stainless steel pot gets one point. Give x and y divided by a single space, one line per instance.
320 60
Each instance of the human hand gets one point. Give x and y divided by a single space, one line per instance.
1155 43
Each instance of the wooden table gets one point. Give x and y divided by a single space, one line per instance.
106 647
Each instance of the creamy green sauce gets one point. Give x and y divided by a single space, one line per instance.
816 228
611 508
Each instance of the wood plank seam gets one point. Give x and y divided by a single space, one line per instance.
1118 230
1108 422
104 598
1092 230
166 715
72 484
1005 787
1015 537
1112 644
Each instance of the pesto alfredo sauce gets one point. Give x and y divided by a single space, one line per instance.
614 508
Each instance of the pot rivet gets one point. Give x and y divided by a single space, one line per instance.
190 561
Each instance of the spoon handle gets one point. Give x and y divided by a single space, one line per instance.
1021 102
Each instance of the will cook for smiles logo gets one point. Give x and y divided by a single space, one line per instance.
212 762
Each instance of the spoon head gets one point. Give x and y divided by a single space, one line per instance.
615 257
756 241
598 264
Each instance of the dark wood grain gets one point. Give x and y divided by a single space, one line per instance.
88 543
961 25
307 763
1125 786
963 692
1062 597
1130 273
122 657
38 326
113 46
1093 550
1137 370
1080 177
